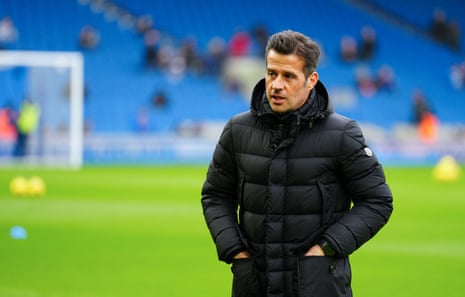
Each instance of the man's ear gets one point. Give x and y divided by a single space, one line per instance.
312 79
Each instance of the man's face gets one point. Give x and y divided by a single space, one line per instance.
287 89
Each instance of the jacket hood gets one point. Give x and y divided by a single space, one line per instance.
317 105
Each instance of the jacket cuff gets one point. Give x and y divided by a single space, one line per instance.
327 247
228 257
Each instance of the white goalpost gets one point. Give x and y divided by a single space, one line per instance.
53 80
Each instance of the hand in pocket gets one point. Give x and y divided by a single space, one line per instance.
245 278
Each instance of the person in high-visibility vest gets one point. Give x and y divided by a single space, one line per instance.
26 123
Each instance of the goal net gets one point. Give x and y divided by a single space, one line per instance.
53 82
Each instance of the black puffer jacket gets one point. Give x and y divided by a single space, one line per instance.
296 178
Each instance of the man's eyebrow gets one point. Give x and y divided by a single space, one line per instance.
286 72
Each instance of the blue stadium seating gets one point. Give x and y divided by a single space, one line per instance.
119 86
420 13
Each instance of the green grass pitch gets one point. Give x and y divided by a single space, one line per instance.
139 231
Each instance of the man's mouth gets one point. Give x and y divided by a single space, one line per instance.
276 99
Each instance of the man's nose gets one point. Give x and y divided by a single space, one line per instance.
277 83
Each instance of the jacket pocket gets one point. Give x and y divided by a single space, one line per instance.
323 276
245 278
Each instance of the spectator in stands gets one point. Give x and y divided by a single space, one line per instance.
259 38
159 99
385 79
142 123
421 107
351 50
8 33
166 53
367 46
348 49
438 27
177 67
189 53
89 38
424 118
240 44
457 75
126 20
144 24
365 82
151 49
216 56
444 31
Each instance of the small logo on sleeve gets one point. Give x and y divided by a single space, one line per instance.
368 152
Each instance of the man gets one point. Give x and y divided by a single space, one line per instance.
292 188
26 123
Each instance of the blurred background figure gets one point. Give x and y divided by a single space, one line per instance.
385 79
89 38
151 48
142 121
8 33
215 57
159 99
144 24
444 30
189 53
7 127
421 107
438 27
26 122
425 119
348 50
365 82
240 43
367 46
428 128
457 75
260 34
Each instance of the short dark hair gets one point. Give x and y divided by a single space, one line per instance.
290 42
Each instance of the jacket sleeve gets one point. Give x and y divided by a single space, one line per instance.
219 199
365 184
